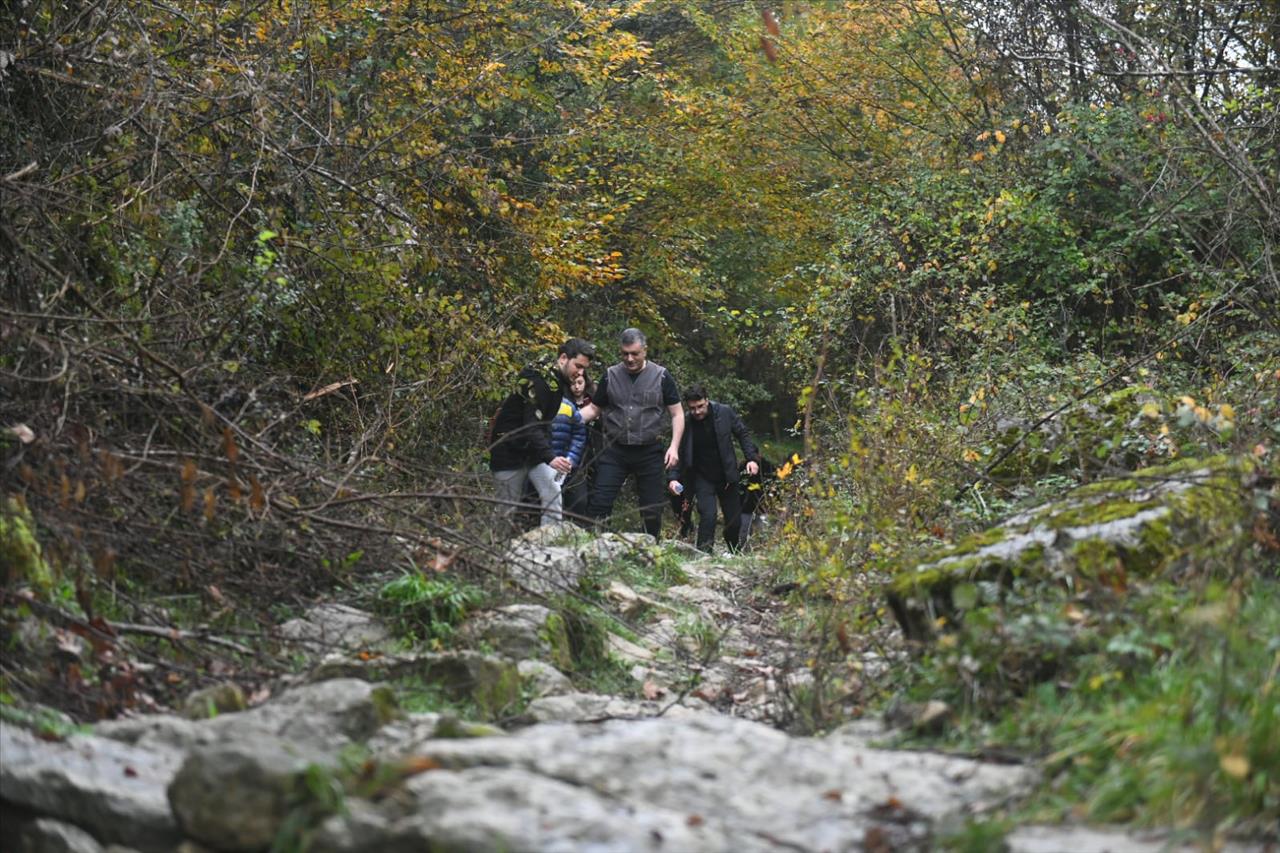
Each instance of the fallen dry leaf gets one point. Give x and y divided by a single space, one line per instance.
709 694
415 764
652 691
876 840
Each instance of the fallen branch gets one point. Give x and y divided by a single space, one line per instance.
177 634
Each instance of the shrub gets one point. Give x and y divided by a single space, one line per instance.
428 608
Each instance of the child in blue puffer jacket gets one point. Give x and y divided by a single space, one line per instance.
569 438
568 430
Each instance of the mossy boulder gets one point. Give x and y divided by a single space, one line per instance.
492 683
522 632
1129 428
208 702
1152 521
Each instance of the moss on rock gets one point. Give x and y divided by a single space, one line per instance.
21 557
1103 533
555 634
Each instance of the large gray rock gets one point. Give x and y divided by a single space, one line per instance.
236 795
328 714
544 569
542 679
114 791
46 835
610 546
553 559
589 707
512 810
337 625
1140 525
207 702
491 682
521 632
742 785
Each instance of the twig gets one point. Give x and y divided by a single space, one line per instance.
21 173
178 634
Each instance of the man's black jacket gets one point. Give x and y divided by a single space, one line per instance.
727 426
521 432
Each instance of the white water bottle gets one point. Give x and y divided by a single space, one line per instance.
677 487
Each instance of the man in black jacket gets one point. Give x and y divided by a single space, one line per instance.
709 466
520 438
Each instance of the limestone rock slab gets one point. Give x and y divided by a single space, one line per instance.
235 795
750 786
114 791
336 625
328 714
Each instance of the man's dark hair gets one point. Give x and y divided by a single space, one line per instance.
696 391
632 336
575 347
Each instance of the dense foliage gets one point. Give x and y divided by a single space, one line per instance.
267 267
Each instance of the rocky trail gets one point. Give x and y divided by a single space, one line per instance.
695 756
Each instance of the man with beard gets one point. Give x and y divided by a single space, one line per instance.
709 466
520 438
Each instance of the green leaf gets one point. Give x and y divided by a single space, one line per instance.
964 596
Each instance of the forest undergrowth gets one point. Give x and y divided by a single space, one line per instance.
267 271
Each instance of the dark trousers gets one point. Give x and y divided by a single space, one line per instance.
577 494
706 493
615 464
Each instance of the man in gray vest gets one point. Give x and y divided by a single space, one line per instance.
635 397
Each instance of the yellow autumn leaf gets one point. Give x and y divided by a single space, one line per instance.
1227 412
971 455
1000 137
1236 766
913 474
1151 410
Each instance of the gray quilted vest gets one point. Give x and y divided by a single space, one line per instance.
634 413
